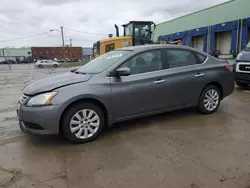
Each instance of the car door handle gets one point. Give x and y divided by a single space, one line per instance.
199 74
159 81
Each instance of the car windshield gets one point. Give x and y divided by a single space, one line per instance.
102 62
247 48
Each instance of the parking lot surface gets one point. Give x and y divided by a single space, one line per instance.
180 149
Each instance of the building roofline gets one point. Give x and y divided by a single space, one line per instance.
229 1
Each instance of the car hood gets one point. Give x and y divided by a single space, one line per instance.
53 82
243 56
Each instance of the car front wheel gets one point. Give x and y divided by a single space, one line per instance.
209 100
83 123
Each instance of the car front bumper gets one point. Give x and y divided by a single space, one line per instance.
39 120
242 77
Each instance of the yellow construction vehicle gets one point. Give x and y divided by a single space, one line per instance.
134 33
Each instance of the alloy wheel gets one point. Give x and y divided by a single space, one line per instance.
211 100
84 123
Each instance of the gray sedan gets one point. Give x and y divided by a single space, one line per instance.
47 63
124 84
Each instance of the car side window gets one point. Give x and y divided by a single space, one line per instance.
145 62
180 58
201 57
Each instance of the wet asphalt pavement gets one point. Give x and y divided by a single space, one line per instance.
181 149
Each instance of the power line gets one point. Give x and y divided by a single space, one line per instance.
48 32
85 32
53 36
26 37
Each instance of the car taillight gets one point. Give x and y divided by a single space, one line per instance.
229 67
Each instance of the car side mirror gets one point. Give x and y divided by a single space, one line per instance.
123 71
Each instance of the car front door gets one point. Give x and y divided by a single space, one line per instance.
184 77
137 94
44 63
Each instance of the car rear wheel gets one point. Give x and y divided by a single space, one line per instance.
83 123
209 100
55 65
242 85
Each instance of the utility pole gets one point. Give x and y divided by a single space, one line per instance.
63 44
70 42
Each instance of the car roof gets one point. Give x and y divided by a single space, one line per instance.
147 47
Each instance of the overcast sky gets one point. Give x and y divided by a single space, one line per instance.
93 19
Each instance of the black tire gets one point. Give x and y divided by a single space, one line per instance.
40 66
242 85
55 65
201 104
69 115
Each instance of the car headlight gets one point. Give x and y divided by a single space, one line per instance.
41 99
239 55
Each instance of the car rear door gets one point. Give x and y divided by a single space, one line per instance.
138 93
49 63
184 77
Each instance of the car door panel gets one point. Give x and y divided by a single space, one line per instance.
136 94
49 63
183 85
44 63
184 78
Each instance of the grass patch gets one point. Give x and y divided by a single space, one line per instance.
74 64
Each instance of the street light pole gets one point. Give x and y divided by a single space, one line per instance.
62 36
63 43
70 44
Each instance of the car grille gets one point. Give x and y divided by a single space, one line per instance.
23 98
244 67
